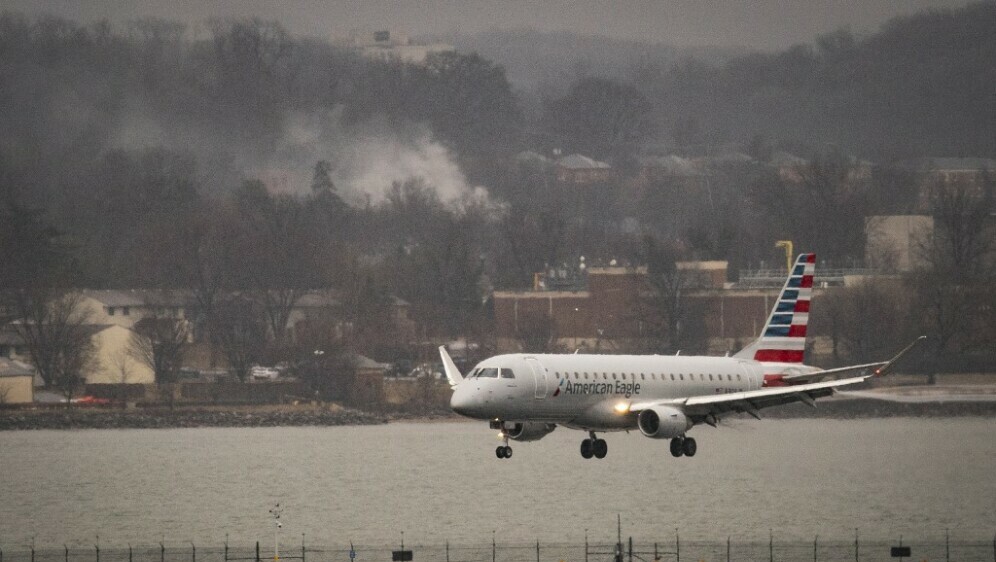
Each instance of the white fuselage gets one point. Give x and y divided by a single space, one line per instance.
593 391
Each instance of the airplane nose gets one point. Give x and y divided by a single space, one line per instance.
460 402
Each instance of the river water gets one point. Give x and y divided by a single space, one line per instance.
440 482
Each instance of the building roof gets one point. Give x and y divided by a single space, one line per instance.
579 162
962 164
674 165
781 158
137 297
12 368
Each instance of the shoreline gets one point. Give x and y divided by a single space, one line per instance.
840 407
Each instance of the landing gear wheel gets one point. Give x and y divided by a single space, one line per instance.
676 447
587 449
689 447
500 451
508 452
600 448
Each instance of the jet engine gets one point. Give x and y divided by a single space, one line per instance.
528 431
663 422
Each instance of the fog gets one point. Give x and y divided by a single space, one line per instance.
755 24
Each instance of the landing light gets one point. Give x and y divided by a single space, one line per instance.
622 407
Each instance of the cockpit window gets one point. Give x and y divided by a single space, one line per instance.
507 374
488 373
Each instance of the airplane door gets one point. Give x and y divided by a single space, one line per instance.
539 377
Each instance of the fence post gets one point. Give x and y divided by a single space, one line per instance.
677 546
257 551
856 544
193 553
302 547
447 552
129 553
67 552
162 551
815 542
771 545
947 545
494 547
727 548
630 550
32 553
537 550
586 544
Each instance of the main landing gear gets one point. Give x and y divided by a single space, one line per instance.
503 452
683 446
594 447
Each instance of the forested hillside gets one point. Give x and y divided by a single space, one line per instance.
244 158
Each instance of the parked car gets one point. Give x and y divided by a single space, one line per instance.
260 373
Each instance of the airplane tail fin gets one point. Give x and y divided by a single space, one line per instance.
783 339
452 373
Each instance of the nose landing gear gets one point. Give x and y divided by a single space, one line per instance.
594 447
683 446
503 451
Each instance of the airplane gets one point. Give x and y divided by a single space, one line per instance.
526 396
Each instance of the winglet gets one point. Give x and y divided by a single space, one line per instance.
882 370
452 373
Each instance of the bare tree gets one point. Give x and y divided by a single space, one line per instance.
671 321
160 341
240 330
54 326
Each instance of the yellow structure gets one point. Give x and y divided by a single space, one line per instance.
787 244
16 382
113 363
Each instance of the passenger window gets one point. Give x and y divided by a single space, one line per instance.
508 374
557 375
613 376
681 376
738 377
586 376
605 377
710 376
729 377
643 377
672 376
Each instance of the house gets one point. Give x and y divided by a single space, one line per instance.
113 364
126 307
16 382
581 170
896 242
390 46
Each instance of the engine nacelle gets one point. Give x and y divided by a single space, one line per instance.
663 422
528 431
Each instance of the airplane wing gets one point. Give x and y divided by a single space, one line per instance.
877 369
713 406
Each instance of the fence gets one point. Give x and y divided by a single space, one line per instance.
675 550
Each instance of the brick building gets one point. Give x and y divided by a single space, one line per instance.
608 313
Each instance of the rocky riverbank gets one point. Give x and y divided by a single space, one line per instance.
99 418
264 416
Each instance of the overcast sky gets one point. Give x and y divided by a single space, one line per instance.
759 24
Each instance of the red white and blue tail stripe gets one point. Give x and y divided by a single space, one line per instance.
784 337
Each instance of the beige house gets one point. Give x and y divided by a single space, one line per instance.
126 307
113 363
16 382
